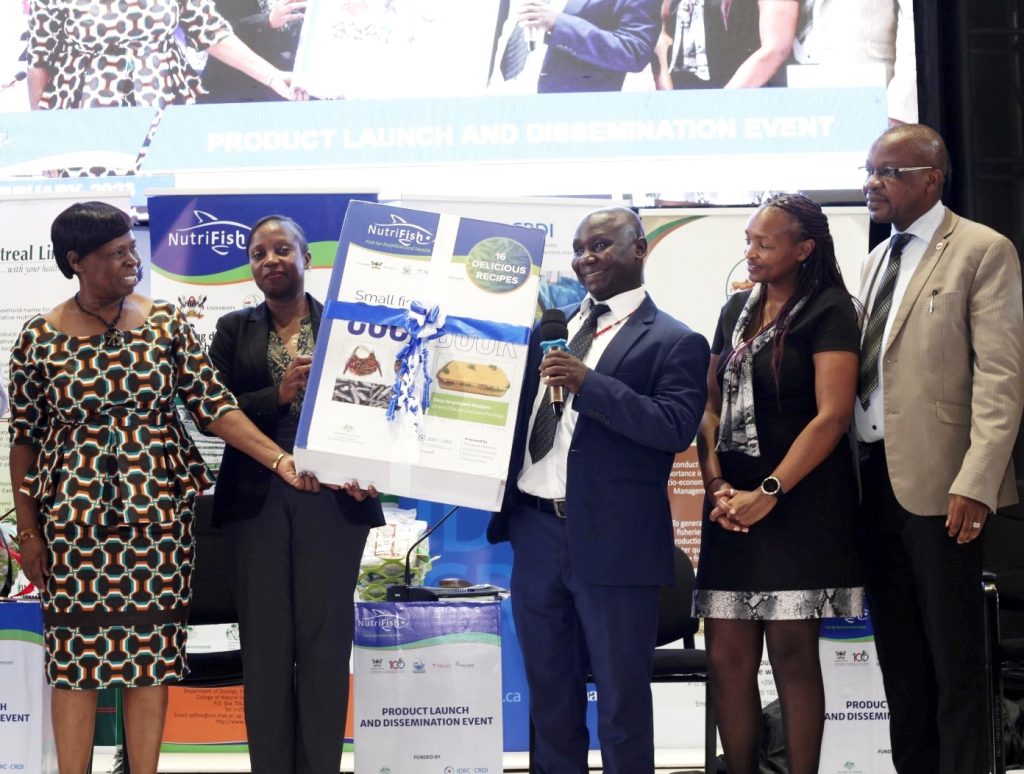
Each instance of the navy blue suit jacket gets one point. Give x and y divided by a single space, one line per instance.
594 43
640 406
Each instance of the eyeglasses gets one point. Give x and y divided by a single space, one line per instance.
889 173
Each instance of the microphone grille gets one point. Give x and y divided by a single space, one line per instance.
552 325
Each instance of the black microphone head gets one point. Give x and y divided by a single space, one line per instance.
552 325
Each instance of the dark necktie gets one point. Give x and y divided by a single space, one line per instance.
513 58
545 423
872 346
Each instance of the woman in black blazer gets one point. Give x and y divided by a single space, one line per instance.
293 560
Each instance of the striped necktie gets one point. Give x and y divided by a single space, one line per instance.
545 423
871 348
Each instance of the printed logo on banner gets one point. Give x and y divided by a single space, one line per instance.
409 232
396 665
855 658
402 231
221 236
192 307
418 667
384 620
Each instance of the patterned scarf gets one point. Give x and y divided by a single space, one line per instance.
737 430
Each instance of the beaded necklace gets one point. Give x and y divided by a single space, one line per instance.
112 335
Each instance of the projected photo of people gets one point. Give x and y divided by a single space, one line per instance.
353 49
551 46
861 42
113 53
270 28
727 43
798 43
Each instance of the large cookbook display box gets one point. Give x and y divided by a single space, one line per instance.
420 356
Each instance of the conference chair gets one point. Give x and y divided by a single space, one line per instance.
1003 585
685 664
211 604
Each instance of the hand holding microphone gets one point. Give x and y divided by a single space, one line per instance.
536 18
554 335
560 370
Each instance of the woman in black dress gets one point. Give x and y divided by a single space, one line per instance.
777 547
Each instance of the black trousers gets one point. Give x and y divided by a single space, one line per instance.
293 574
927 608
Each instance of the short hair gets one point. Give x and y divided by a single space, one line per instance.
285 220
927 143
82 228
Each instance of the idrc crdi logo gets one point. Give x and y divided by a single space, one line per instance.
220 236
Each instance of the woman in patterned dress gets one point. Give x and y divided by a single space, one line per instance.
778 541
105 479
105 53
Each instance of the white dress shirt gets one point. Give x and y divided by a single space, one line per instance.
870 422
546 478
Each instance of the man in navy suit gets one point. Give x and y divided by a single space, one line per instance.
592 44
586 507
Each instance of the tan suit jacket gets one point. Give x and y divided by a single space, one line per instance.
953 370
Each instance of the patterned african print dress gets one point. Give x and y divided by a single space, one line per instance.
116 478
105 53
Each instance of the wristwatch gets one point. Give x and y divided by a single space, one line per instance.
772 487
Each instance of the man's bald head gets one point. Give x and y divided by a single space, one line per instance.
908 167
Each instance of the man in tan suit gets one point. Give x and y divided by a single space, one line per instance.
938 411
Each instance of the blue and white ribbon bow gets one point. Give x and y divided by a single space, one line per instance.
411 393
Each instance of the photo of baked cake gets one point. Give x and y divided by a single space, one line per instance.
474 378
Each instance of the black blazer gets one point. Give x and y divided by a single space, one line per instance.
239 352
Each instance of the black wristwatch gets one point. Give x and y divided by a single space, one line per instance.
772 487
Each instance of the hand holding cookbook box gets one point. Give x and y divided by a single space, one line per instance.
415 385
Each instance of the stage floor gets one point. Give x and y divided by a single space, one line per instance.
668 762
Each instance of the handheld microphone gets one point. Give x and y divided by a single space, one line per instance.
553 335
407 592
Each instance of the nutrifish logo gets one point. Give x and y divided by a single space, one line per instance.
402 231
383 619
220 236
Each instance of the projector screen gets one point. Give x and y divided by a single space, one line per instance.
687 100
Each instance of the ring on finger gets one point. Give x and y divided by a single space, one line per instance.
976 524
